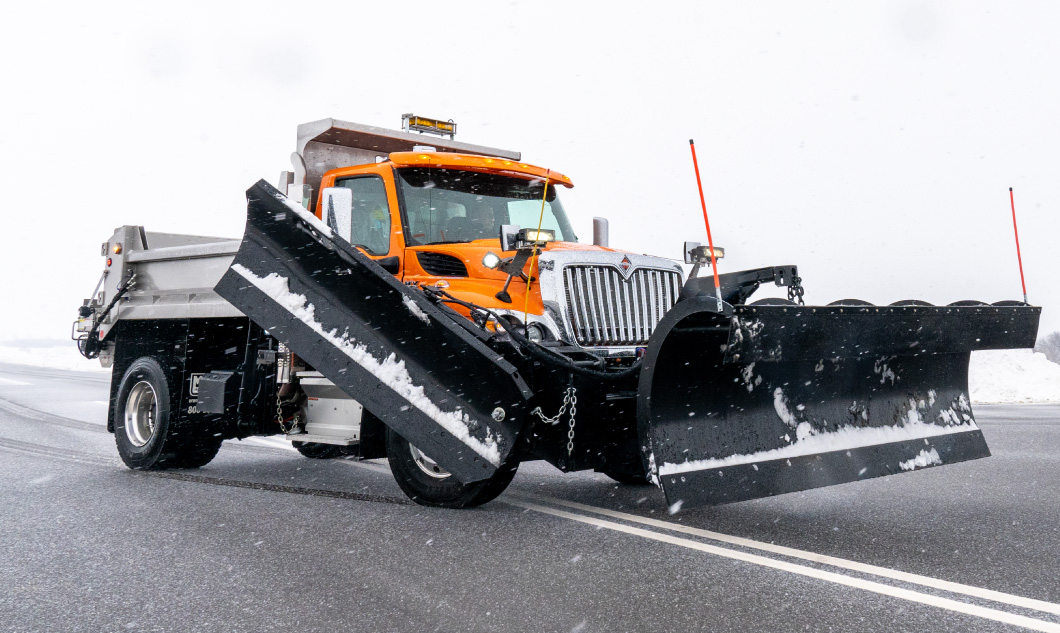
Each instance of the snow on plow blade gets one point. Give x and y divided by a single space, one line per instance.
414 365
770 399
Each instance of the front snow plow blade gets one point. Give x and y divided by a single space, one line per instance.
770 399
414 365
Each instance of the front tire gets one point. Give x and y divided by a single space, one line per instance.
428 484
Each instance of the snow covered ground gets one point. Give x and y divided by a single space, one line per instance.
54 354
1013 376
1004 376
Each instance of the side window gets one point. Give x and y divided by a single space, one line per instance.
370 224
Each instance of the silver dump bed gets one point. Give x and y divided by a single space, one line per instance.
174 275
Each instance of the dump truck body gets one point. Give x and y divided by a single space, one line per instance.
407 306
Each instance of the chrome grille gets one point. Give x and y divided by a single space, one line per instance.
605 308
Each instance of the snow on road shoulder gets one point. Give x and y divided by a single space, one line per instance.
1013 376
59 355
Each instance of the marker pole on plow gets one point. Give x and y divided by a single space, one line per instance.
1019 257
710 240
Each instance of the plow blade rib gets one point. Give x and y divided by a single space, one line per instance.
410 362
775 399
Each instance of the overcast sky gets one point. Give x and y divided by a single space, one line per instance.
872 144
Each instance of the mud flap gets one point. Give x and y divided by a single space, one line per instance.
769 399
408 361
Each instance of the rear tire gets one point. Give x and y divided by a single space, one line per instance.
427 484
315 450
196 454
144 430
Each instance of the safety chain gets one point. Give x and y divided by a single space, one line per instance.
279 417
795 290
570 398
573 411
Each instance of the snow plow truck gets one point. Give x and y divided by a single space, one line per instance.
431 304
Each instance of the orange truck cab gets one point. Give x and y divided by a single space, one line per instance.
453 215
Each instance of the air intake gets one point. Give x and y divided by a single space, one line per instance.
441 265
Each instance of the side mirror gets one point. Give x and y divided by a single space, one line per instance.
509 235
336 209
600 232
688 248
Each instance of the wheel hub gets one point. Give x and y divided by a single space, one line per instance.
427 465
141 407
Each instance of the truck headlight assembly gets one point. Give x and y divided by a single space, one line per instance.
535 332
491 260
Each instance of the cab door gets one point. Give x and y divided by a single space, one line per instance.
373 224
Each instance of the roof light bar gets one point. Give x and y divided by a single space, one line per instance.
412 123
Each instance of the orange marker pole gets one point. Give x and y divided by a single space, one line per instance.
710 240
1019 258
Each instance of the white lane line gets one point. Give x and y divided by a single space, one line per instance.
811 572
926 581
8 381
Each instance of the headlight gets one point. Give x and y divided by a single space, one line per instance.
491 260
535 332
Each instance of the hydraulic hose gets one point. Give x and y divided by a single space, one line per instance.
539 352
90 346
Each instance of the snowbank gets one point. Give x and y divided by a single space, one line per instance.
1013 376
56 355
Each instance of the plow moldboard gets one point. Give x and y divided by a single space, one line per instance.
408 361
774 399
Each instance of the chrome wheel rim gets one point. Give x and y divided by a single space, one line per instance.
427 465
141 408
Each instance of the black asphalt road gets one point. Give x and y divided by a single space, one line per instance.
263 539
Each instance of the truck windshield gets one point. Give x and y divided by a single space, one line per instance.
450 205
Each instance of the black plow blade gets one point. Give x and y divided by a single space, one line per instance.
407 360
774 399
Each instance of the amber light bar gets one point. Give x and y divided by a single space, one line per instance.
413 123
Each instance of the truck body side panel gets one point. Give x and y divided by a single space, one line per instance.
190 348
